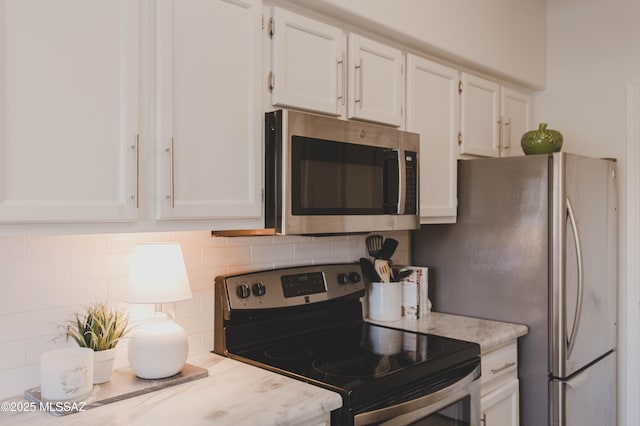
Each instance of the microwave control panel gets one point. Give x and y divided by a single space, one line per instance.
411 167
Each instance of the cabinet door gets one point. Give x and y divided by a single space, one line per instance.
480 116
308 64
209 117
376 81
433 111
68 110
517 107
501 407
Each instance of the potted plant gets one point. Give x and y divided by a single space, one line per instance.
99 327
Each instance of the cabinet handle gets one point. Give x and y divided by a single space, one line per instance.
136 148
499 122
171 195
507 144
343 75
483 420
504 367
358 99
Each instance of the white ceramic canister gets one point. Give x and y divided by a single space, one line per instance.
385 301
66 374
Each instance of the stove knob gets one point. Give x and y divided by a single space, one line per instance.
258 289
243 291
354 277
343 279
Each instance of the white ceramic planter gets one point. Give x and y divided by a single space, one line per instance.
103 365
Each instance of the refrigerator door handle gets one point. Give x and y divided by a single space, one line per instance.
571 338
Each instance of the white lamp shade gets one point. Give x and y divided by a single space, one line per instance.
158 274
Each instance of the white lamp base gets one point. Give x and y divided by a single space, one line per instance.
158 348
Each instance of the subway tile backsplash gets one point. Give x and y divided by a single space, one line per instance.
43 279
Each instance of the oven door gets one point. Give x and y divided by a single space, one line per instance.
454 405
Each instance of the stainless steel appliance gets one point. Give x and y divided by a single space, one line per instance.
535 243
324 176
306 323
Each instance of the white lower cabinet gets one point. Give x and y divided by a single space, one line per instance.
501 407
500 397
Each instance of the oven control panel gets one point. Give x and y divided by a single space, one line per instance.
293 286
303 284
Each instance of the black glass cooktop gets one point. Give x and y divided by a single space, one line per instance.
356 355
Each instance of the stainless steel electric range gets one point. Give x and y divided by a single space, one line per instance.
306 323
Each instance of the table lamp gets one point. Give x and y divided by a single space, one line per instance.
158 347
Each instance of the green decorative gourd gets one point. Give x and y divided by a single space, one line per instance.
541 141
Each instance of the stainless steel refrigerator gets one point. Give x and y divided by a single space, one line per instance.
535 244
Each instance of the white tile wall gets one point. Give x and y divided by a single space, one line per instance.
45 278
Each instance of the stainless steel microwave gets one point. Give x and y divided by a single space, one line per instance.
324 175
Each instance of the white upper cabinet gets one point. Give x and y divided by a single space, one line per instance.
375 81
132 111
516 115
433 111
503 36
68 110
313 69
308 64
209 116
480 116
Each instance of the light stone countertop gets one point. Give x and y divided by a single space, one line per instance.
490 335
240 394
233 394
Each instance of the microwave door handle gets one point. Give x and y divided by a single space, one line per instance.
402 179
392 182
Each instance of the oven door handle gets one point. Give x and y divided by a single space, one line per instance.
389 413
